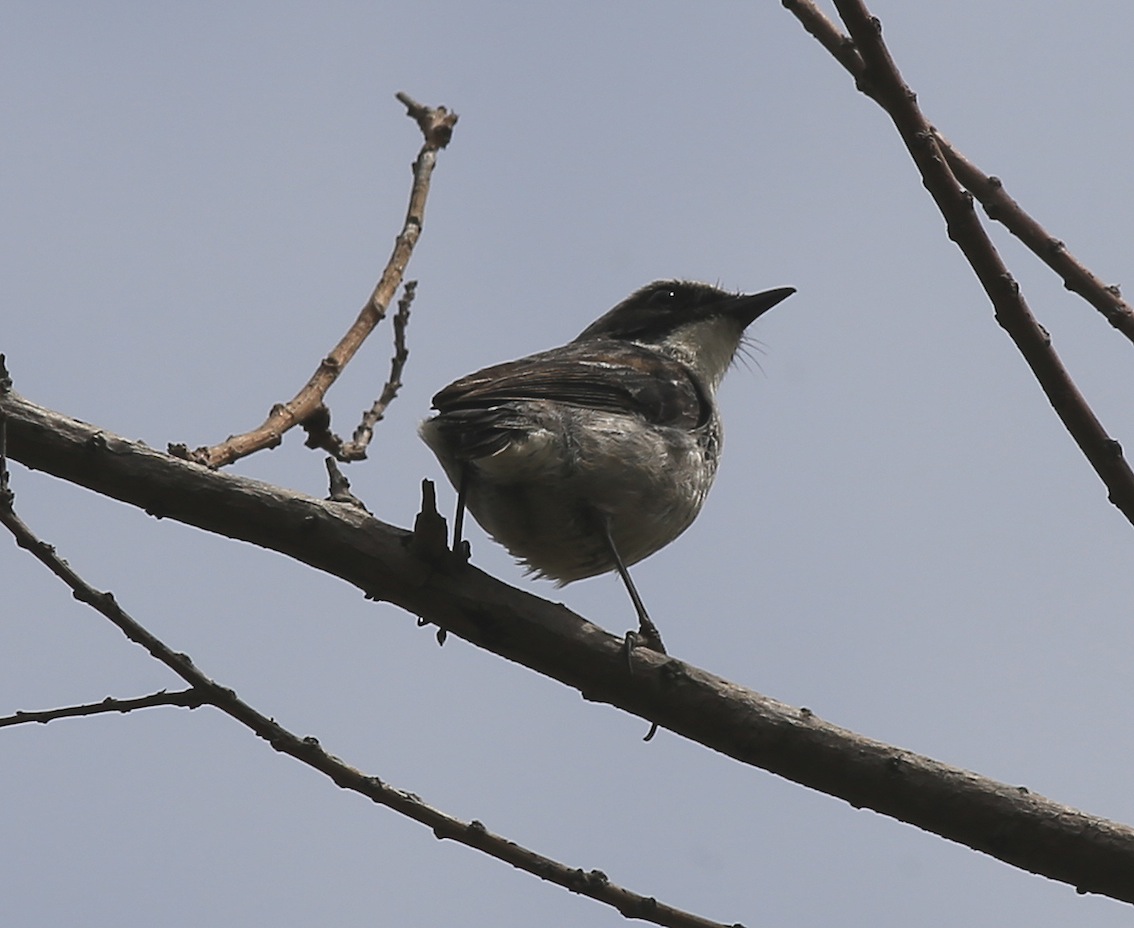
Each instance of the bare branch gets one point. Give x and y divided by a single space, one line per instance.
815 21
188 698
593 884
437 125
340 487
1002 208
355 449
1008 822
878 78
989 190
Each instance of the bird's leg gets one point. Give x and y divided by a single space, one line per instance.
459 516
647 635
460 546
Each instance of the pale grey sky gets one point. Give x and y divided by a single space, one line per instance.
198 198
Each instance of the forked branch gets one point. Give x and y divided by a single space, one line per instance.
989 190
866 56
307 405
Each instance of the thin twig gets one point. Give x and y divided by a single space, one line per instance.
436 123
879 79
355 449
437 126
593 884
188 698
986 188
339 487
999 206
818 25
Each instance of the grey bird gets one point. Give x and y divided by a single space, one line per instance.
590 457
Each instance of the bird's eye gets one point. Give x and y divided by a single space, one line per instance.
662 297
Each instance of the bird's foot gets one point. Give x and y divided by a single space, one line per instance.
647 636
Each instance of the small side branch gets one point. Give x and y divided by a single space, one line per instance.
998 205
355 449
339 487
188 698
307 405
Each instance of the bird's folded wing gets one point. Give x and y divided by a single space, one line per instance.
609 376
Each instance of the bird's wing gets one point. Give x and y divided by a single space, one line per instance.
611 376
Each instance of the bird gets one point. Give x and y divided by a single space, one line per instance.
590 457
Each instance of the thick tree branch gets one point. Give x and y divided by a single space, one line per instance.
1008 822
307 405
593 884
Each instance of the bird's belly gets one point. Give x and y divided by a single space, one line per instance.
545 495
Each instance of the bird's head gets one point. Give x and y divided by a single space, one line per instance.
697 324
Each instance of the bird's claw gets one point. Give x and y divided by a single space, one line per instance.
647 636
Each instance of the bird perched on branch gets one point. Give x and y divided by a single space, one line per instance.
590 457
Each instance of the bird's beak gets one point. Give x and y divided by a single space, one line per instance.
747 307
